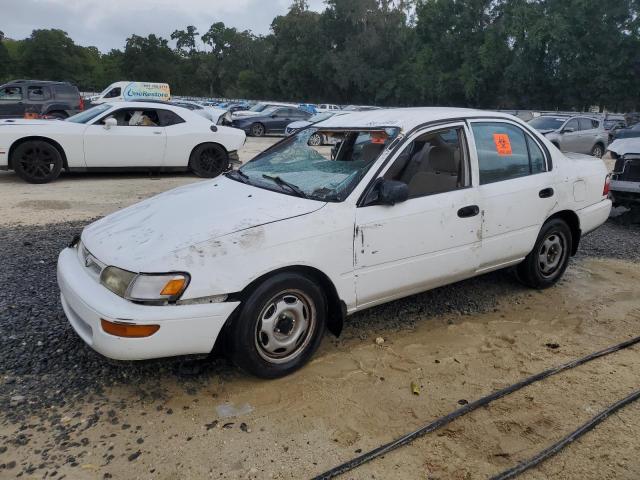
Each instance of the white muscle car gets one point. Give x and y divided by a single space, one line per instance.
118 136
407 200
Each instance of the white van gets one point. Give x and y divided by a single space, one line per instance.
129 91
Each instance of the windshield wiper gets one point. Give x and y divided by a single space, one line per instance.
294 188
244 178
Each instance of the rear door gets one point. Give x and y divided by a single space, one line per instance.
137 140
516 190
11 101
588 134
37 96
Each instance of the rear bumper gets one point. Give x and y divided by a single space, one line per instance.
594 215
184 329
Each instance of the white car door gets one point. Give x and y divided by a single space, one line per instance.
516 190
137 140
430 239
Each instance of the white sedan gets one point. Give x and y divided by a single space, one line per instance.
118 136
408 200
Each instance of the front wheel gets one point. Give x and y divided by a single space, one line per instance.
279 327
209 160
37 161
257 130
597 150
548 260
315 140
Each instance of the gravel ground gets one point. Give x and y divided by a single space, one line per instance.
46 364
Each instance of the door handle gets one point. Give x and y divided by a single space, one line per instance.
546 193
468 211
157 133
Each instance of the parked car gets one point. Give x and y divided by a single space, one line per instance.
317 138
327 107
270 120
118 136
259 108
612 125
213 114
625 179
38 98
628 132
411 200
579 134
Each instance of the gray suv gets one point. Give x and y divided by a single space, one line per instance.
39 98
574 133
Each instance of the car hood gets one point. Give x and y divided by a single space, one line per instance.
245 113
138 237
625 146
33 122
299 124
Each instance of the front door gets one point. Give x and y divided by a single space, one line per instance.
137 140
571 137
433 237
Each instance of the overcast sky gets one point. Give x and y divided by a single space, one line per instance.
107 23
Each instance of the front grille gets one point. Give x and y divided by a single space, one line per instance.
628 170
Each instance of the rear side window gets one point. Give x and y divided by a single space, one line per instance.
168 118
66 91
505 152
38 93
588 124
10 93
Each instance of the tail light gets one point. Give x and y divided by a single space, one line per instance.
81 103
607 186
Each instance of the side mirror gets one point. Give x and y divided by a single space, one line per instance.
568 130
110 122
274 115
391 192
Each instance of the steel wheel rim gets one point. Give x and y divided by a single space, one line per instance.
211 160
597 151
257 130
552 253
37 162
285 326
315 140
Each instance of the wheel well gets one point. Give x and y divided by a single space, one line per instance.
61 112
337 309
208 143
19 142
571 219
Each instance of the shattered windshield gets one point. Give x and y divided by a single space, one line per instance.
325 170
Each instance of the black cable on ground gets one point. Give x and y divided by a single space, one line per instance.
445 420
556 447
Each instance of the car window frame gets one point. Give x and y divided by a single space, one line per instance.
527 133
158 110
434 129
19 87
45 89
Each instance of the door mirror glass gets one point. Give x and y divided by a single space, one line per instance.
110 122
391 192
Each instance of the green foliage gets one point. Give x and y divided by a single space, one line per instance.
566 54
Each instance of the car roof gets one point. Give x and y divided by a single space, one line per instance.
404 118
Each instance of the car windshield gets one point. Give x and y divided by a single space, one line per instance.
547 123
318 117
90 114
322 173
258 107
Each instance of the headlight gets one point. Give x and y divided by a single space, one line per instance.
144 287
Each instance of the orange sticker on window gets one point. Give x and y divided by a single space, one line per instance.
503 144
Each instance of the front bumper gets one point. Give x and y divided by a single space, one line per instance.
184 329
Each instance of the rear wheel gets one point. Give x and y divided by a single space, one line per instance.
597 150
209 160
257 130
548 260
37 161
315 140
279 327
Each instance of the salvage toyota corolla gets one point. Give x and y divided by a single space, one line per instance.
268 257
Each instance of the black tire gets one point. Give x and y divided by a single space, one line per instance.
37 161
209 160
315 140
58 115
292 302
548 260
257 130
597 150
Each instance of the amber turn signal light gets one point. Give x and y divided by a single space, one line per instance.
173 287
128 330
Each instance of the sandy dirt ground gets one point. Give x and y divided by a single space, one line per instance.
356 393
